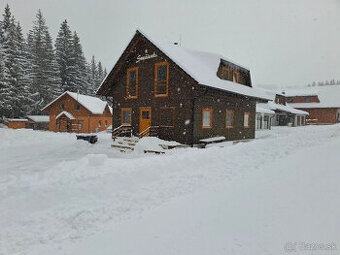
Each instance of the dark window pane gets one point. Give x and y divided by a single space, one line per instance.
229 119
167 117
145 115
162 73
126 116
225 74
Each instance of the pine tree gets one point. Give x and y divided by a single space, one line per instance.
94 76
14 87
80 78
45 81
64 56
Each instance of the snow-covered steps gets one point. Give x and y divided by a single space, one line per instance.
125 144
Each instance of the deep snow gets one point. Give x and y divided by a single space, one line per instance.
62 196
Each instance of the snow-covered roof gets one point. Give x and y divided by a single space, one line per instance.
329 97
21 120
260 109
202 67
39 118
299 92
67 114
285 108
93 104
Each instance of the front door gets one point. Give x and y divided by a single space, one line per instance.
144 119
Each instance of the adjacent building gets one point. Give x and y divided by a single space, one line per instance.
285 115
264 118
73 112
38 122
180 94
322 103
16 123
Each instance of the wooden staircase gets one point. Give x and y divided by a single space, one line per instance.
125 144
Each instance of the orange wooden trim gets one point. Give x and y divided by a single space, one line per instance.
173 116
233 118
122 110
211 116
224 68
237 76
246 113
156 79
127 82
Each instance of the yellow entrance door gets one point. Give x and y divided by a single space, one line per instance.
144 119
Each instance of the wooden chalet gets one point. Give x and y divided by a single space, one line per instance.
73 112
179 94
322 103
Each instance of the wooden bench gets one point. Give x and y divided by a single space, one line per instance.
217 139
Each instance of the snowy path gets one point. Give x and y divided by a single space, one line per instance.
67 193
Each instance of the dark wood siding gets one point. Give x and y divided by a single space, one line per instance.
219 102
180 91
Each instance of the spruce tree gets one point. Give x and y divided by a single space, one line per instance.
45 81
65 57
80 76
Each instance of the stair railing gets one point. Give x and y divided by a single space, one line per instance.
123 130
150 131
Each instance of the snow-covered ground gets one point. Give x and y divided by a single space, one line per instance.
62 196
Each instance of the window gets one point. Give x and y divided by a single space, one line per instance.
77 107
236 76
167 117
62 107
307 100
132 83
229 119
105 123
290 100
246 120
225 73
258 121
100 123
126 116
161 79
145 115
80 124
207 118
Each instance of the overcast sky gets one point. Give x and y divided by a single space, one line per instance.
283 42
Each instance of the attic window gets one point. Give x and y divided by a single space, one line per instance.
77 107
225 73
62 107
236 76
132 83
161 79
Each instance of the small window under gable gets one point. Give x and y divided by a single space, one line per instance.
307 99
132 83
161 79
